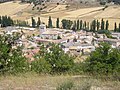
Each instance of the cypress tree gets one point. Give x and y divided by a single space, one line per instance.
33 22
85 25
107 25
98 25
50 22
38 22
0 20
102 24
57 23
81 24
119 27
93 26
115 27
78 24
74 26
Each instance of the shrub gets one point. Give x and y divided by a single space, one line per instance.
66 86
41 66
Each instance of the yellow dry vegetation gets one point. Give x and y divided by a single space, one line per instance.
24 12
11 8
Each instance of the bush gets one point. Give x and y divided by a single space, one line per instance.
66 86
11 59
106 32
104 60
41 66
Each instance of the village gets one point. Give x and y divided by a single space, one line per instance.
74 43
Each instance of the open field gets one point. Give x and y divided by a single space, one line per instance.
112 14
11 8
24 12
46 82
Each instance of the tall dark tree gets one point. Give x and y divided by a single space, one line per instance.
57 23
78 24
0 19
81 24
50 22
98 25
119 27
85 25
88 25
115 27
102 24
107 25
93 26
33 22
74 26
38 22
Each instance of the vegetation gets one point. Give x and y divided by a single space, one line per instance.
6 21
50 22
11 59
66 24
66 86
57 23
33 22
105 60
38 22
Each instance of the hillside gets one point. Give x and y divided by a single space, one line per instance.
74 11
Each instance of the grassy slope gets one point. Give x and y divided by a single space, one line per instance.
46 82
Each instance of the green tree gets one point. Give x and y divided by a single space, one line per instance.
119 27
33 22
78 24
85 25
93 26
98 25
60 61
38 22
74 26
107 25
81 24
57 23
11 59
115 27
66 24
0 19
50 22
104 60
102 24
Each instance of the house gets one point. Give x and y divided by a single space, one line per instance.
113 42
77 47
51 34
116 35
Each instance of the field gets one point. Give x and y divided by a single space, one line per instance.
21 11
111 13
11 8
45 82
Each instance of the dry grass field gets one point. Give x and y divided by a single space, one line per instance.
45 82
112 14
11 8
24 12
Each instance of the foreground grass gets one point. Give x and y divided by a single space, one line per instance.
32 81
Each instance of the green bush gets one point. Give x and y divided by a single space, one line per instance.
66 86
41 66
104 60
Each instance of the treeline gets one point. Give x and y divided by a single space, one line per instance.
77 25
53 60
6 21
